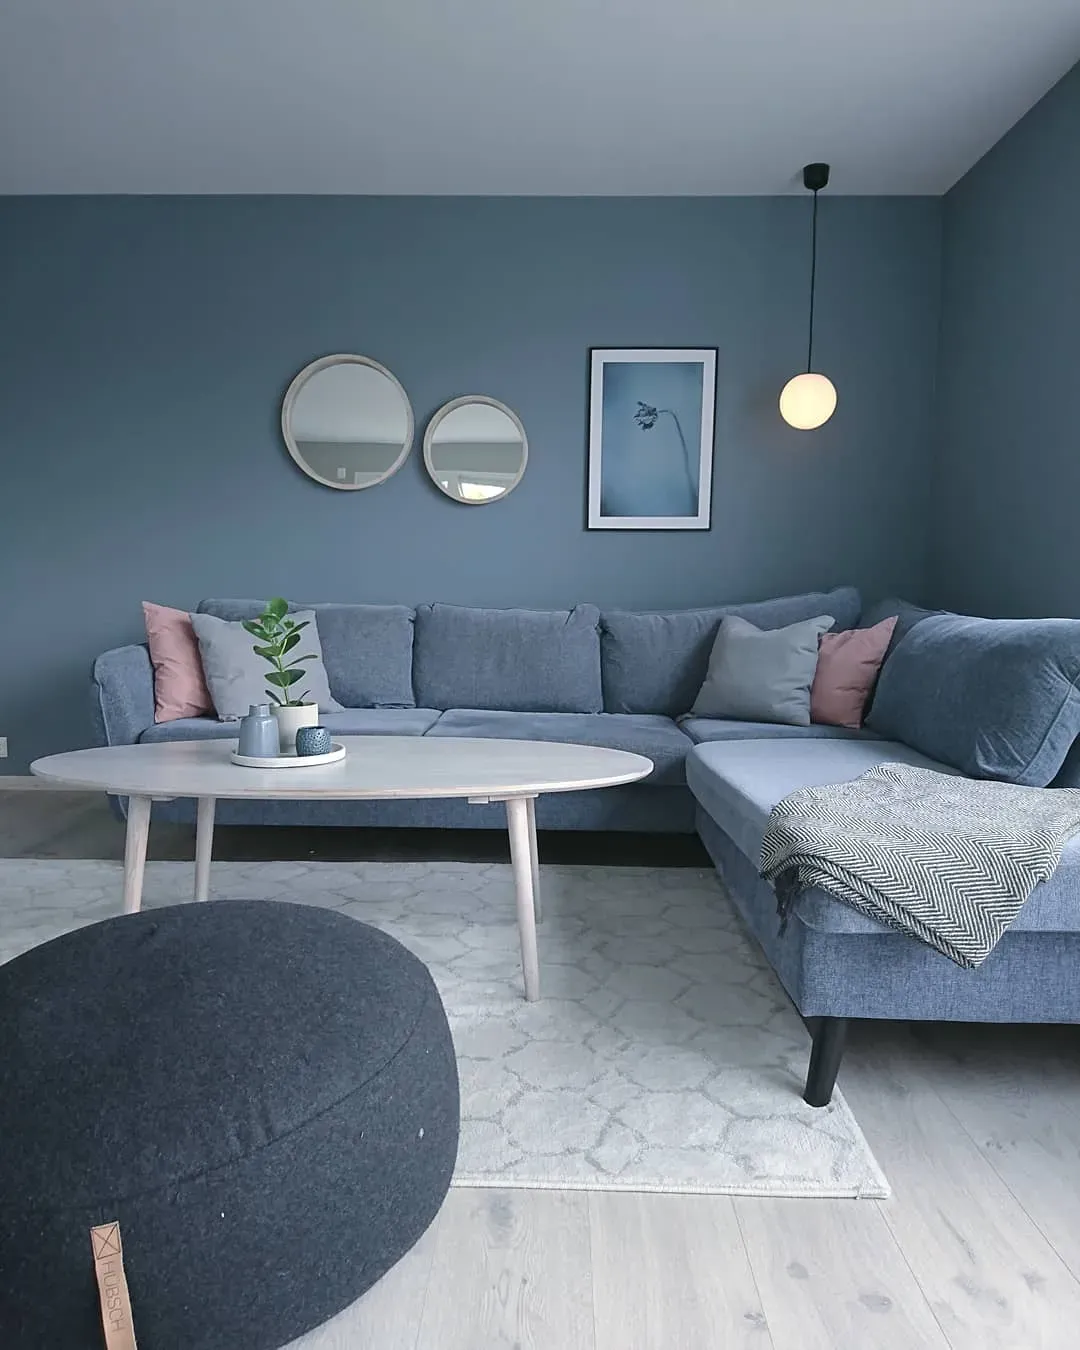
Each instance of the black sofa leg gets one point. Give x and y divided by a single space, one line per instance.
830 1035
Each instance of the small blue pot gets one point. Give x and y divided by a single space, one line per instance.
313 741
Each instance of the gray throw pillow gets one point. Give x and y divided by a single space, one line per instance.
761 676
236 677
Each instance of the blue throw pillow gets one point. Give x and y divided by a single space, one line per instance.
907 616
995 698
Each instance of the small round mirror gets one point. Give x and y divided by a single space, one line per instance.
347 422
475 449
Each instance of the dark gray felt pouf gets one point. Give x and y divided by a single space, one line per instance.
265 1095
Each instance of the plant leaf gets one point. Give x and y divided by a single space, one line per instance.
255 628
277 607
289 642
267 653
296 627
297 659
279 678
275 698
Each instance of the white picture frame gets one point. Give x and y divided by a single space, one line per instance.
652 418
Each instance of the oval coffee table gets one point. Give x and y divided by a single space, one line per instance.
482 771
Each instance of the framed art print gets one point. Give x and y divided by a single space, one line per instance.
652 413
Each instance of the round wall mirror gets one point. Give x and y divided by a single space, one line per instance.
475 449
347 422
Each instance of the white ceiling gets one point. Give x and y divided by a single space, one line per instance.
634 97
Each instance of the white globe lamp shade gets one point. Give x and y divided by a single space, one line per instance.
808 401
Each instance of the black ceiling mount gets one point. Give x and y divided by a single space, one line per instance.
815 177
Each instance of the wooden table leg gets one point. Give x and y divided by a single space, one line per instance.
534 854
138 831
521 855
204 846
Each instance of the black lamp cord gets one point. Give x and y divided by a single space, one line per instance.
813 281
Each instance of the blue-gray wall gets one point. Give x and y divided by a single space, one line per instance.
146 344
1006 540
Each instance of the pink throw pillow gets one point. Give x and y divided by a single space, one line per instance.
847 667
179 683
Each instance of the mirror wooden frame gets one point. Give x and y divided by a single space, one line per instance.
292 393
465 401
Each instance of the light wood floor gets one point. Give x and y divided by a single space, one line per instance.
977 1128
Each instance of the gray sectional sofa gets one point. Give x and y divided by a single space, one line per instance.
995 699
615 678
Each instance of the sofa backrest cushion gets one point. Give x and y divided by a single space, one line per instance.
509 660
906 614
656 663
995 698
367 649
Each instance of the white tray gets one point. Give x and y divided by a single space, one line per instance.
292 761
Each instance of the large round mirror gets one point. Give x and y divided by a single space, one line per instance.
347 422
475 449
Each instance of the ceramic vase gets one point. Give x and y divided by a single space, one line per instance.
259 735
290 720
313 741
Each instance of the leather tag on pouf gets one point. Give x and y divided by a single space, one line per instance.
112 1287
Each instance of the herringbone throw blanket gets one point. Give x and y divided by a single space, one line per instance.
948 860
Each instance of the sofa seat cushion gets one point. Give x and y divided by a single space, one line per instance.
510 660
380 721
657 663
658 738
351 722
738 784
190 729
701 729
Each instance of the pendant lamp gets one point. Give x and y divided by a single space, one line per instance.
809 400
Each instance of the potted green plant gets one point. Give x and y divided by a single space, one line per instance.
277 637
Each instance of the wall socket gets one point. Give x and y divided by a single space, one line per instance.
3 747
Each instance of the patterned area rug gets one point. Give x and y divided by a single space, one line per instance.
663 1055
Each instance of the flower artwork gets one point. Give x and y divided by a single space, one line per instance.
651 424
